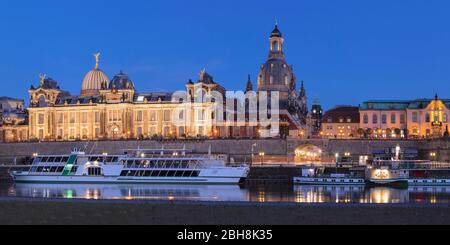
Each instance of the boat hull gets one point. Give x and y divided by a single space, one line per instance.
429 182
328 181
120 180
396 183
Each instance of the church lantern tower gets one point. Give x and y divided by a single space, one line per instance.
276 74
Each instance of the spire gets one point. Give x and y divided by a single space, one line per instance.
302 90
316 101
276 32
249 86
97 59
436 97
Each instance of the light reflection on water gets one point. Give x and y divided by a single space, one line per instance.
220 193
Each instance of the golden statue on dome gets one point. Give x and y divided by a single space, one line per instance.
42 79
97 59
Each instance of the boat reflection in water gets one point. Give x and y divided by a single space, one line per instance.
131 192
233 193
378 195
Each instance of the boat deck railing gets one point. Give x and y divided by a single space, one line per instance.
425 165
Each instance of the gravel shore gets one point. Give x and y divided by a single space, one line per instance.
18 211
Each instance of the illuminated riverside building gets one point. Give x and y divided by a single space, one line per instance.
422 118
13 119
113 109
341 122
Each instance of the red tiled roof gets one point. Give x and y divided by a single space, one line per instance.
342 114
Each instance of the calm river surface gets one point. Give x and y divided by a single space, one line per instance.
294 194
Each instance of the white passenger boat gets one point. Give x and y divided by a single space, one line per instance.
315 176
139 167
329 181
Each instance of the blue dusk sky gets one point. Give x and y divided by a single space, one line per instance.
346 51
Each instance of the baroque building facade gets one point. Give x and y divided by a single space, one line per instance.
113 109
13 119
276 75
422 118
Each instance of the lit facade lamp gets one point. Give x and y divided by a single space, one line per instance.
261 157
433 156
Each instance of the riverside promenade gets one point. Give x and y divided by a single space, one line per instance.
18 211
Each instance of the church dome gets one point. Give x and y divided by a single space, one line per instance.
276 74
93 81
121 81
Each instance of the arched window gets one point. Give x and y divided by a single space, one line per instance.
139 132
427 118
445 118
375 119
366 119
181 115
275 46
42 102
85 133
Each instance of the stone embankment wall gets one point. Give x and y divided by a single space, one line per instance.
237 149
240 150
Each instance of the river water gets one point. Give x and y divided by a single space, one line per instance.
219 193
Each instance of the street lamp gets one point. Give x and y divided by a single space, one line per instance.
433 156
261 157
253 151
337 161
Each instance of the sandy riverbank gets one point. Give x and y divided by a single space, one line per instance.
30 211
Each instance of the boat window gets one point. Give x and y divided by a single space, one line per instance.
39 169
179 174
51 159
60 169
163 173
44 159
195 174
155 173
58 159
124 173
94 171
184 164
74 169
146 163
131 173
53 169
171 173
147 173
115 159
187 173
65 159
141 164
